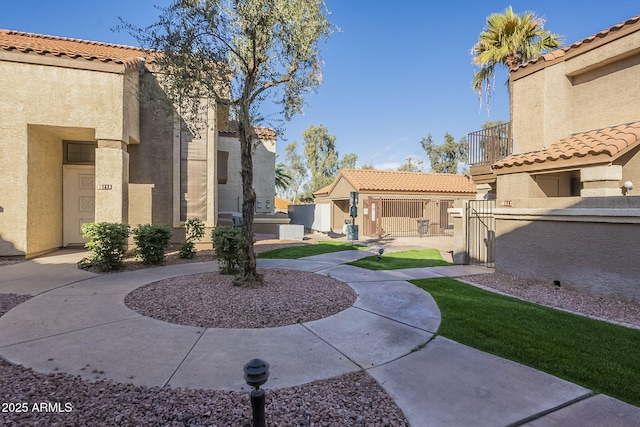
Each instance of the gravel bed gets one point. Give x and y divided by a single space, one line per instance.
560 297
211 300
349 400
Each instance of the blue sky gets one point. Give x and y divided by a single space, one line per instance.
397 72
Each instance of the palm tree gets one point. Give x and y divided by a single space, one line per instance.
283 179
509 39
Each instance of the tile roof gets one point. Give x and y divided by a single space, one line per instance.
582 44
407 182
602 144
30 43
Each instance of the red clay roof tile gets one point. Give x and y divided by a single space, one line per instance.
396 181
70 48
609 142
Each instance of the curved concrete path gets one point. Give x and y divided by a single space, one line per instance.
78 324
85 329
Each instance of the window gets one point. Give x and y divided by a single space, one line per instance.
79 153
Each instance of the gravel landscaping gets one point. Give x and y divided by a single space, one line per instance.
210 300
560 297
350 400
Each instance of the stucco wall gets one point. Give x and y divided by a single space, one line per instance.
592 90
44 217
585 243
593 257
151 161
65 97
70 104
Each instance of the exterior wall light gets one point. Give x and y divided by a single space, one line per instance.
628 186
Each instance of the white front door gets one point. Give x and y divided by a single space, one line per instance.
79 195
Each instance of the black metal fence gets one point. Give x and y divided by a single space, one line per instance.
489 145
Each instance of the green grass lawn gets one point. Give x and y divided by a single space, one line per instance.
322 247
597 355
407 259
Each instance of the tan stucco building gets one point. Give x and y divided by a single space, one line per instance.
566 211
77 144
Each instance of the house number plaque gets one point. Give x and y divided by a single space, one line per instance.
104 187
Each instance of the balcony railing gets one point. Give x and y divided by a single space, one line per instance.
489 145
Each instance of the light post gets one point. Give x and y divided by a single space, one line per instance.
256 373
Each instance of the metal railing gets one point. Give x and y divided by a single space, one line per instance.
489 145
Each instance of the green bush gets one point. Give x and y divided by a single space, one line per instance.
107 245
194 230
151 242
226 243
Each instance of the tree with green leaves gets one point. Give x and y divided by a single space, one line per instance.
239 52
296 168
446 156
323 161
508 39
348 161
411 165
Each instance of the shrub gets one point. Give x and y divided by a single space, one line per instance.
194 229
151 242
107 245
226 243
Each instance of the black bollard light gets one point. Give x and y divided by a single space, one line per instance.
380 252
256 373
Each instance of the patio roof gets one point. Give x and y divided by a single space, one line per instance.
596 146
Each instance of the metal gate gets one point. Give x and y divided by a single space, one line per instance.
481 232
396 217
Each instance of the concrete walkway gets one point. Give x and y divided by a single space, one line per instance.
78 323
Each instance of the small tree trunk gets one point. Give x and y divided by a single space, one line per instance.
249 275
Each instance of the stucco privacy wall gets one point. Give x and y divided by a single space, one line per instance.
66 103
44 209
597 252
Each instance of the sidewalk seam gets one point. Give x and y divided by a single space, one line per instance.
175 371
332 346
66 284
392 319
72 331
552 410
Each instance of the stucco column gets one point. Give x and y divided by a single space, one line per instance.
601 181
485 192
459 213
112 181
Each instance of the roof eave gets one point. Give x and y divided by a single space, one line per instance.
585 45
73 63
